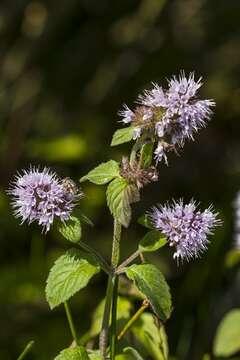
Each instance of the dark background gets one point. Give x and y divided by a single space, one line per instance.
66 67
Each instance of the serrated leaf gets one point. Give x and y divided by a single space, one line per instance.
146 155
122 136
70 273
227 339
151 336
103 173
120 194
151 282
77 353
124 307
71 229
152 241
146 221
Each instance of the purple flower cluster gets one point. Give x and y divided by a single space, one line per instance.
172 115
41 196
185 227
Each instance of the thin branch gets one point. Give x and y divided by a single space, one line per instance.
70 322
125 263
26 350
133 319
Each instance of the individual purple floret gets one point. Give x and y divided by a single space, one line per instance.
126 114
40 196
185 227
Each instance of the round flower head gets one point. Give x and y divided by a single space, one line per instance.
184 112
171 114
41 196
185 227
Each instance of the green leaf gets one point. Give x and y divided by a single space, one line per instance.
95 355
129 354
77 353
122 136
227 339
151 336
146 155
132 353
103 173
146 221
152 241
70 273
150 281
120 194
124 307
71 229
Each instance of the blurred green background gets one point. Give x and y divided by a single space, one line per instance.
66 68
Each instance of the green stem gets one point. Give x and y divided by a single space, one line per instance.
26 350
111 295
70 322
134 318
116 243
113 339
103 339
115 261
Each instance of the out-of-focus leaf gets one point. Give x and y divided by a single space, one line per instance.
151 282
68 148
151 336
122 136
120 194
71 229
232 258
227 339
103 173
85 219
70 273
152 241
206 357
77 353
124 307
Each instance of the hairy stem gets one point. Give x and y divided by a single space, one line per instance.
116 243
111 296
115 261
103 339
113 339
26 350
70 322
133 319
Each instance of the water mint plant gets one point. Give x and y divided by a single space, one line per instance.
162 120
